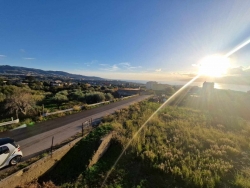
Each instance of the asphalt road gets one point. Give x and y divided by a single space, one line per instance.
34 139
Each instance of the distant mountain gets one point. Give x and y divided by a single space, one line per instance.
13 70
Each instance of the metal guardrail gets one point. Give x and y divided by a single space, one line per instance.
9 122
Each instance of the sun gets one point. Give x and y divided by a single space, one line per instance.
214 65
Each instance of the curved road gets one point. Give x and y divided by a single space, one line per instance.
34 139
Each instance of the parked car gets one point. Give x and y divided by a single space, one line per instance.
10 152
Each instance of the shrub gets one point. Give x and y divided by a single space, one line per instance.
77 108
27 121
40 118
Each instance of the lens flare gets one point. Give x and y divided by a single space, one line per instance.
215 65
139 130
165 103
238 48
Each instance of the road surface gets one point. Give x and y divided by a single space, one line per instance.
34 139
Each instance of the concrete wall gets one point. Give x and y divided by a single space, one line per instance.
36 169
105 143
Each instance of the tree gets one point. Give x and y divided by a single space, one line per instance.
59 98
109 96
36 85
8 89
1 81
94 97
170 90
64 92
98 97
30 78
2 97
103 88
21 100
77 95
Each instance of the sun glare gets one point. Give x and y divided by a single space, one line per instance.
214 66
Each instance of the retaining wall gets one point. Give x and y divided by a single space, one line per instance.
36 169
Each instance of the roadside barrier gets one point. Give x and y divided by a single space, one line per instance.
9 122
89 105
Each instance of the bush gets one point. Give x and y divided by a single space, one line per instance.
40 118
77 108
27 121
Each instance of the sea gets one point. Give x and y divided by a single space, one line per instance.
243 88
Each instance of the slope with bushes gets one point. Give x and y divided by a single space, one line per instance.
179 147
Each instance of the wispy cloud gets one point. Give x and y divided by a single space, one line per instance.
122 67
22 50
158 70
127 66
137 67
90 63
110 67
29 58
2 56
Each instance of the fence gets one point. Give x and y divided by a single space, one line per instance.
9 122
71 109
57 112
98 103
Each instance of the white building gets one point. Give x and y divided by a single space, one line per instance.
156 86
150 85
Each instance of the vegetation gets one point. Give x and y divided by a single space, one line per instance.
68 170
179 147
224 103
32 100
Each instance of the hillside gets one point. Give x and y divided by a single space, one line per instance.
13 70
179 147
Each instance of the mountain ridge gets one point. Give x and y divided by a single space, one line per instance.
16 70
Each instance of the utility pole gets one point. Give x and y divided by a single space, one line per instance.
82 130
51 149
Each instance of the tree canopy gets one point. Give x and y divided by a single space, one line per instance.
20 100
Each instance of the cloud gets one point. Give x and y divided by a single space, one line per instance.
235 71
125 64
90 63
29 58
2 56
158 70
22 50
110 68
132 75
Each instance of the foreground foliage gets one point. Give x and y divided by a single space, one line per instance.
184 147
179 147
77 159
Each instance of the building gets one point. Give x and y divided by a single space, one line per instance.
208 87
149 85
56 84
156 86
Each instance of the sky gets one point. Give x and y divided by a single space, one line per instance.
129 40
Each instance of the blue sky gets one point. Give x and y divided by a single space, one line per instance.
136 40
